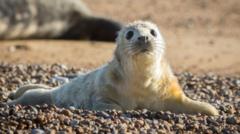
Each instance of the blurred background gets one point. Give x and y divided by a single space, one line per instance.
202 36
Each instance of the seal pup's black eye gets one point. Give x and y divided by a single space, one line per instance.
129 35
153 33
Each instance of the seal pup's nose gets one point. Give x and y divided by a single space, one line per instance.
143 39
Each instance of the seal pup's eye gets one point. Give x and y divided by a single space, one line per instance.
153 33
129 35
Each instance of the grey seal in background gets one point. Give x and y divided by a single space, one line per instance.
53 19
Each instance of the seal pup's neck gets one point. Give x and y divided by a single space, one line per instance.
142 67
142 70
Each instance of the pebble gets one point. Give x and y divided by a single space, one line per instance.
231 120
103 114
221 91
67 112
74 122
37 131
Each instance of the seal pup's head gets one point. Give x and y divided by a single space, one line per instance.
140 42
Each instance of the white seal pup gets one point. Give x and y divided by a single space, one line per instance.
137 77
53 19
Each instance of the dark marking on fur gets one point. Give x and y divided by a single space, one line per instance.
115 76
53 19
93 28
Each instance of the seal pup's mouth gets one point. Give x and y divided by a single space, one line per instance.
142 46
144 50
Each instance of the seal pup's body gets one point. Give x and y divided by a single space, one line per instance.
53 19
137 77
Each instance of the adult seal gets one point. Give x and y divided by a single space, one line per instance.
53 19
137 77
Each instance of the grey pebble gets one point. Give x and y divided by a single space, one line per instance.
37 131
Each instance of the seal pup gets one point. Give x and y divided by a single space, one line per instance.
53 19
137 77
